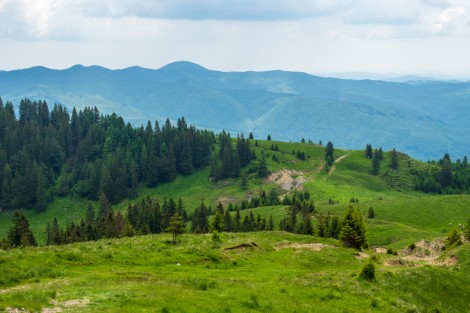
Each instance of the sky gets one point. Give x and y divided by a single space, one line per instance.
420 37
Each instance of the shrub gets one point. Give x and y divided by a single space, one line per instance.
391 251
412 246
454 238
368 272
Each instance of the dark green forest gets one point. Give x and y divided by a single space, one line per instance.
48 153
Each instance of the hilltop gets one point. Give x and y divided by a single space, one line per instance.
424 119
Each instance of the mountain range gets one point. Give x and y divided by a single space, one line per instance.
424 119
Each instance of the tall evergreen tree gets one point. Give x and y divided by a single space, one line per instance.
263 167
394 159
20 235
375 163
329 154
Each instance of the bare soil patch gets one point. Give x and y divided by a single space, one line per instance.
288 179
361 255
425 252
225 200
67 304
379 250
308 246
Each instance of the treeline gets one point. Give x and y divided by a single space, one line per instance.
46 153
444 176
147 216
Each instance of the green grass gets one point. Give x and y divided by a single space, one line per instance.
403 214
141 274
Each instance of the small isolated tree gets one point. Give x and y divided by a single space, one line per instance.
329 157
353 232
269 138
251 136
371 213
176 226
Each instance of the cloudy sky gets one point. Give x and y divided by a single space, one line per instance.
317 36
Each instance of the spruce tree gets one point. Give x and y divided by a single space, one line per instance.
353 232
329 156
375 163
244 181
394 159
369 151
19 234
176 226
263 167
41 197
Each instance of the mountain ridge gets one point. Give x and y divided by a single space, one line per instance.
424 119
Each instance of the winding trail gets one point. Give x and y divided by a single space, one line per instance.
338 160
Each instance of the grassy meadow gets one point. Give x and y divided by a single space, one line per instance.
280 272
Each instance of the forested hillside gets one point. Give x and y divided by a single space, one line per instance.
46 154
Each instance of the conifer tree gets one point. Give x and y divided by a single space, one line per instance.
353 233
41 197
7 190
375 163
244 181
329 156
369 152
176 226
19 234
263 168
394 159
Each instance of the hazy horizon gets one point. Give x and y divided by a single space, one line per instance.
420 37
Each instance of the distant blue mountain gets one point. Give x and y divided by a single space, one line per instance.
422 118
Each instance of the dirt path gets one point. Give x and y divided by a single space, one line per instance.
338 160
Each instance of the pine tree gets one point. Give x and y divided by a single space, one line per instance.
394 159
375 163
19 234
329 157
7 190
269 138
185 165
271 223
152 170
251 136
369 151
176 226
41 197
263 168
353 233
445 175
133 181
244 181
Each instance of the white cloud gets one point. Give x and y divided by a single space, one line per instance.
449 20
383 12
